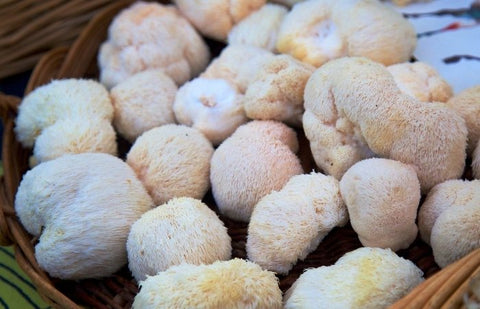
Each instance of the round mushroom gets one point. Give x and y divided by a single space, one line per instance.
448 220
363 278
81 208
148 35
142 102
172 161
249 165
287 225
382 198
317 31
212 106
184 230
234 284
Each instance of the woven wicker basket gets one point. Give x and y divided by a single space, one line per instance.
30 28
447 287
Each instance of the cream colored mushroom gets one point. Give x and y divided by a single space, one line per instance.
248 166
65 117
215 18
148 35
287 225
212 106
184 230
276 92
75 135
317 31
81 207
354 110
448 220
237 64
421 81
234 284
172 161
382 198
467 104
142 102
259 28
363 278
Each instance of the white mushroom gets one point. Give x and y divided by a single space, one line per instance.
448 220
363 278
212 106
287 225
382 197
234 284
172 161
81 207
142 102
259 28
66 117
249 165
184 230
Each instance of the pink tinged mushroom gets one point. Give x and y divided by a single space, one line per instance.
256 160
382 197
172 161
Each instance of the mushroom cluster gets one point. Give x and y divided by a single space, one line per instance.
309 122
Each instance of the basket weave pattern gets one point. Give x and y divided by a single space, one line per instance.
445 287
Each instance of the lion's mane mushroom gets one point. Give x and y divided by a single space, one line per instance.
257 159
467 104
81 207
213 102
184 230
260 28
382 198
354 110
234 284
215 18
421 81
287 225
238 64
142 102
212 106
172 161
317 31
151 36
363 278
65 117
276 92
448 220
